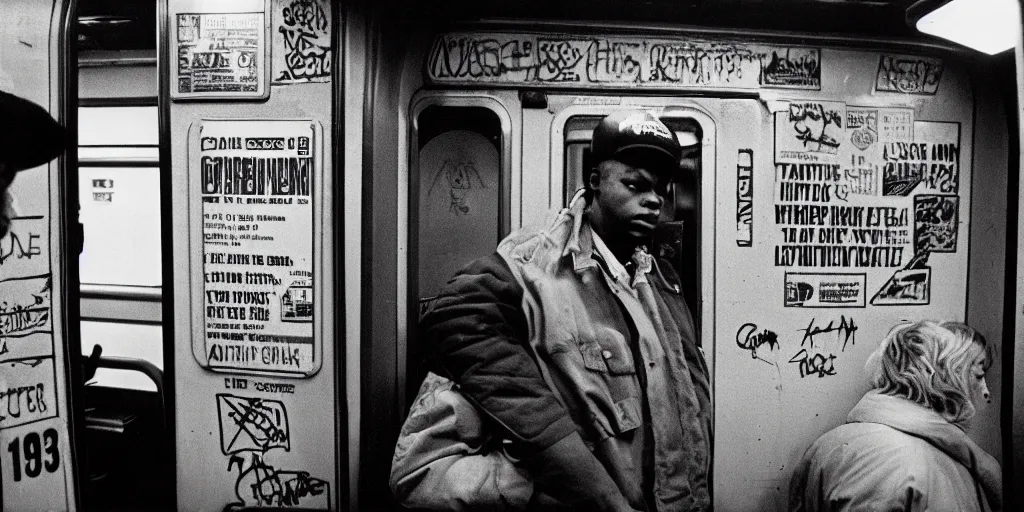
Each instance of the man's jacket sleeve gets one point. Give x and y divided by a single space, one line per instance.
475 334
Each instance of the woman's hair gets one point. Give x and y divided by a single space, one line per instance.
931 364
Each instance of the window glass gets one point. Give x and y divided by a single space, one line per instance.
677 239
117 126
136 341
460 192
120 212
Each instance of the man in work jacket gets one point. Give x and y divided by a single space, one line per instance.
578 347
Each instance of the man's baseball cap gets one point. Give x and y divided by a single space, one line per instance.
29 137
636 138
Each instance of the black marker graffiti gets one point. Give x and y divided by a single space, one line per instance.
30 314
13 246
306 32
748 338
613 61
261 485
792 68
814 364
460 179
699 65
573 59
544 60
914 75
254 426
845 331
806 118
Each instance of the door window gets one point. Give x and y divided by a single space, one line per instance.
460 200
678 236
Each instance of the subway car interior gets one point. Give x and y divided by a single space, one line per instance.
191 357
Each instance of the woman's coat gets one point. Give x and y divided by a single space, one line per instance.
895 454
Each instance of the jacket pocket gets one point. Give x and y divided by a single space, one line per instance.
607 352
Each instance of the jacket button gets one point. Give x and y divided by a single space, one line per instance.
607 354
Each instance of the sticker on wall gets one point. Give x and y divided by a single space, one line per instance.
931 163
102 190
301 41
861 175
822 290
809 131
745 197
908 74
936 222
220 55
256 299
909 286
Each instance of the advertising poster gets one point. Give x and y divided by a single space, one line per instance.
256 186
820 290
220 55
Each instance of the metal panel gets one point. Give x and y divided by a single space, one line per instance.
38 338
296 443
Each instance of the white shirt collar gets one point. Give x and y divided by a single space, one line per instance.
615 268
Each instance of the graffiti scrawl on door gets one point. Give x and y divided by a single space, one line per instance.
250 429
301 41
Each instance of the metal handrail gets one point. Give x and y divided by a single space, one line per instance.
142 366
110 291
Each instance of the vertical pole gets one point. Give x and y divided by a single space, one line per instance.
1013 466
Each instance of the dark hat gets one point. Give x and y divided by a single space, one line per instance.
636 138
29 137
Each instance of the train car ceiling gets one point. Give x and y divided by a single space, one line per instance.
869 17
119 25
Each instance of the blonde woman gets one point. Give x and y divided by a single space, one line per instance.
903 446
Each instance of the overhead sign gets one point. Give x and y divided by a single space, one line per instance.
256 187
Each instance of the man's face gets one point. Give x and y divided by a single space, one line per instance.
628 200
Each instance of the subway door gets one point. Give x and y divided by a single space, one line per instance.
247 113
561 148
709 235
39 330
461 174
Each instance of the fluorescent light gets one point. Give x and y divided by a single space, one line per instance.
989 26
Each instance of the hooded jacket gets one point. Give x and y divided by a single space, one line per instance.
551 347
895 454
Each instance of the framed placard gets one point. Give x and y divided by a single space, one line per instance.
254 185
221 48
